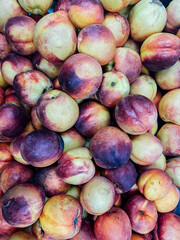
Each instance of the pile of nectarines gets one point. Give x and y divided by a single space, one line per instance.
89 119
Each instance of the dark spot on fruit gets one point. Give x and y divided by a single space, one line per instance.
113 84
141 212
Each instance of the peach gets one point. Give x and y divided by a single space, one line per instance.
169 79
109 67
124 177
114 5
114 87
9 90
57 111
118 200
5 227
97 41
160 163
15 148
3 83
46 67
141 22
63 222
62 5
84 13
134 190
9 9
119 26
57 41
75 166
169 202
14 64
4 48
144 85
110 154
154 184
160 51
12 120
86 232
36 6
157 98
14 173
35 120
12 98
19 34
173 19
48 179
168 107
142 214
4 237
92 117
168 227
83 72
29 127
128 62
21 235
178 34
39 232
47 145
135 114
173 170
22 204
146 149
132 44
169 134
97 195
30 85
113 225
72 139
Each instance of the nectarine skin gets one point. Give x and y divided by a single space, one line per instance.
110 154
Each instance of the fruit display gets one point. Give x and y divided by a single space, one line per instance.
90 120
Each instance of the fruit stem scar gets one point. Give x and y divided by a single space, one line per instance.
157 2
113 84
141 212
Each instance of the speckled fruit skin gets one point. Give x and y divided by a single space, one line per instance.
19 34
84 13
114 5
14 64
110 154
160 51
21 235
12 120
80 76
48 148
92 117
119 26
57 111
173 18
75 166
22 204
142 214
128 62
30 85
168 227
97 41
113 225
63 43
154 184
64 221
135 114
173 170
